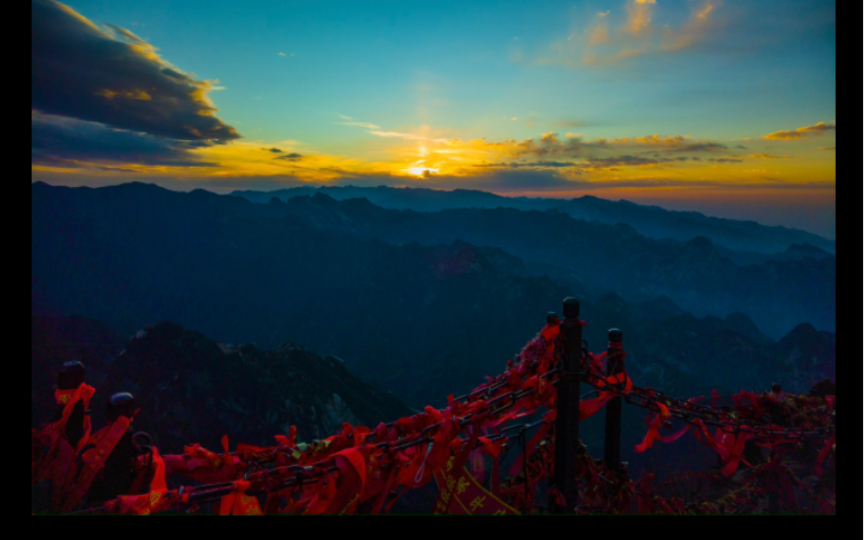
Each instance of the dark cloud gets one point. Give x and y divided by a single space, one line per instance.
59 140
274 150
550 144
116 169
126 34
590 162
81 71
293 156
626 161
697 147
529 164
547 145
727 159
518 180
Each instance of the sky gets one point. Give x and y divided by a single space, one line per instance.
721 106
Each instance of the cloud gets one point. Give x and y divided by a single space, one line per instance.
739 159
349 121
293 156
128 36
366 125
281 54
61 140
599 35
765 156
699 25
829 148
601 45
705 146
639 14
406 136
627 161
550 145
528 165
800 133
113 77
274 150
517 180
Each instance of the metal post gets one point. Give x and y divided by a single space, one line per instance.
118 472
567 445
614 366
71 376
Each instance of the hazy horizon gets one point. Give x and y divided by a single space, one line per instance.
744 213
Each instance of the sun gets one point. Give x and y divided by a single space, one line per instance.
420 171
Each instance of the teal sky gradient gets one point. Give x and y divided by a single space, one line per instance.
452 66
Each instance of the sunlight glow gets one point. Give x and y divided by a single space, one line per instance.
420 171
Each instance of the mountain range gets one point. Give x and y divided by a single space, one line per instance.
404 303
650 221
588 256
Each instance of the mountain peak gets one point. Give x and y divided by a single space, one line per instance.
700 242
806 250
742 324
322 198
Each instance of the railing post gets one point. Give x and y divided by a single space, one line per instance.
118 474
614 366
567 445
70 377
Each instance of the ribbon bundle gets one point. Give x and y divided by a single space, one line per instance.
367 470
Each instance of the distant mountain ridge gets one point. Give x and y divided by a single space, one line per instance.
588 255
651 221
421 320
579 255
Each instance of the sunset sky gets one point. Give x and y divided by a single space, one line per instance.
723 106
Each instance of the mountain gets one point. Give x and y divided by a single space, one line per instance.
650 221
192 389
795 252
808 356
423 321
406 316
595 256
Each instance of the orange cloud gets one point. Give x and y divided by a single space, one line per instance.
800 133
654 139
599 35
636 35
700 23
639 14
766 156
